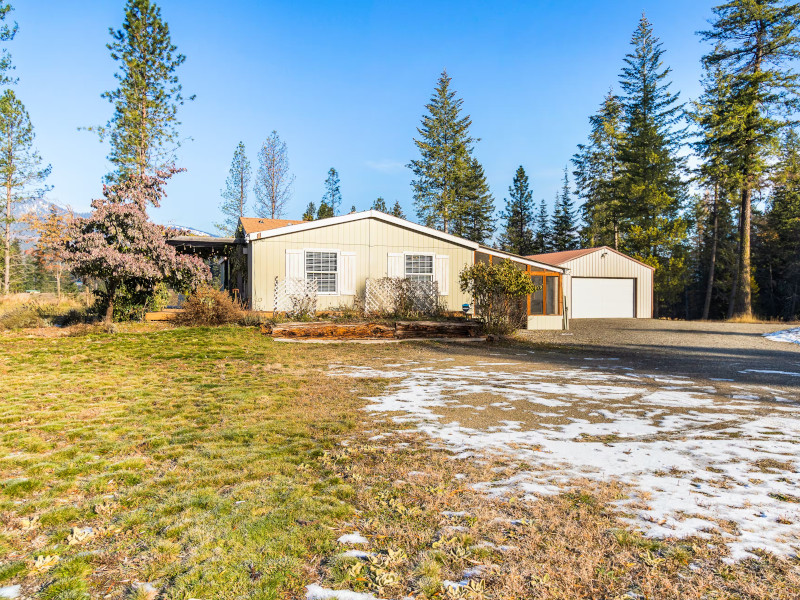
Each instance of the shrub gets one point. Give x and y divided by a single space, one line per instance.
498 290
209 306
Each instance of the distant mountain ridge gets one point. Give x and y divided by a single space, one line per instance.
41 207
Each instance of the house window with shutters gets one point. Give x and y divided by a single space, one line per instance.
323 267
419 267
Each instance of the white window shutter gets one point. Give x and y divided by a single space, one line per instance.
442 274
294 265
347 274
395 266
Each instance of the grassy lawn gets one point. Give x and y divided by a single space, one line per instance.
214 463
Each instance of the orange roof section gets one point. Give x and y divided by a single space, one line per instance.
256 224
559 258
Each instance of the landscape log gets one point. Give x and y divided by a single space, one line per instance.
333 330
423 329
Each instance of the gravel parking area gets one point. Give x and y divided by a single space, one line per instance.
706 349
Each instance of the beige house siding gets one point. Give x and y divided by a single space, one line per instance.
614 266
370 239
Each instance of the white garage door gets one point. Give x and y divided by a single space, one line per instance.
603 298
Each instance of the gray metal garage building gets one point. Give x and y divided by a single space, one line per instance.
602 283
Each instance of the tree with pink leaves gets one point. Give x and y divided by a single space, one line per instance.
121 247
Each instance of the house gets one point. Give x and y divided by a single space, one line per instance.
603 283
342 252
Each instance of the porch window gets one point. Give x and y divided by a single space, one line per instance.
322 267
419 267
545 300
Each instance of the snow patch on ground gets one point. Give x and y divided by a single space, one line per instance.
353 538
792 336
316 592
695 458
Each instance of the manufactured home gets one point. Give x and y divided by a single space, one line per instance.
341 254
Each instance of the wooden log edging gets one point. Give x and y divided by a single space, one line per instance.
371 330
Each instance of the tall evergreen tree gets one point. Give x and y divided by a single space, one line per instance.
565 231
7 33
776 251
598 176
332 198
273 186
518 229
311 212
714 148
473 218
235 193
144 128
445 147
397 210
652 182
21 169
543 240
380 205
755 45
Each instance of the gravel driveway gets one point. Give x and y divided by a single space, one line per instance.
705 349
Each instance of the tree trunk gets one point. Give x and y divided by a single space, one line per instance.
713 258
735 283
111 290
744 255
7 242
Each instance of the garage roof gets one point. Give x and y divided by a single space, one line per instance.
561 258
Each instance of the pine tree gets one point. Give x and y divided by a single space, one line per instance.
325 210
655 193
714 149
518 229
235 193
332 198
598 173
273 186
7 33
352 209
473 218
776 251
21 170
311 212
445 148
144 128
397 210
542 241
755 46
380 205
564 230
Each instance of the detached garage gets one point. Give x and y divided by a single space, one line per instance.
602 283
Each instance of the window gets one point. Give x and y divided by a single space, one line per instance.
537 298
551 287
545 300
322 267
419 267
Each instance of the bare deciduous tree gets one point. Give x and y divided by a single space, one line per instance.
273 187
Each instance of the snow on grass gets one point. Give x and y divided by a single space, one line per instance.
353 538
792 336
696 460
316 592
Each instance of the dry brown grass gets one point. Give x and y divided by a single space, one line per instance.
571 545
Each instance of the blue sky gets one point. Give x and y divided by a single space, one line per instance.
345 85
